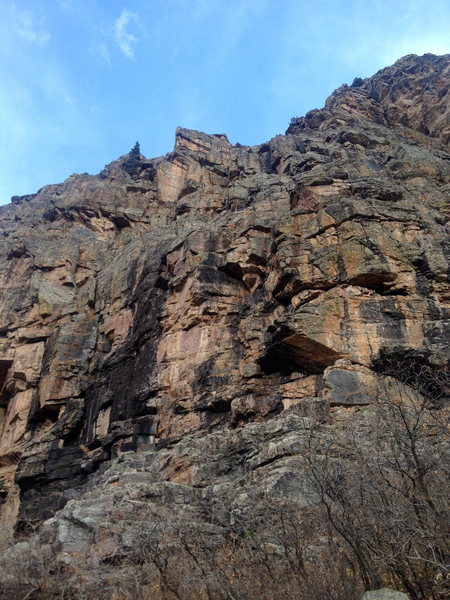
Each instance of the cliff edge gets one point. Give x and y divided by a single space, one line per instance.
191 317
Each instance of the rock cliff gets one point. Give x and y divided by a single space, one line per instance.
187 316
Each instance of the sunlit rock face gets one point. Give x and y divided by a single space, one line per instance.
220 285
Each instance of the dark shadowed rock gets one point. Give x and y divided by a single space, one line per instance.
170 331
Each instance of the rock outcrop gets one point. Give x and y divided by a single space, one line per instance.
384 594
219 286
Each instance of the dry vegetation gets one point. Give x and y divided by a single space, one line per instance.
377 517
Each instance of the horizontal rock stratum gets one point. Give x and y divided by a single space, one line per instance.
177 324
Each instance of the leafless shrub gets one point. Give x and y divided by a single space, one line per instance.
385 498
270 555
432 381
377 517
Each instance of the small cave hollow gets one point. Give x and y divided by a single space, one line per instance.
4 368
289 352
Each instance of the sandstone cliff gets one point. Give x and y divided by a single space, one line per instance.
187 316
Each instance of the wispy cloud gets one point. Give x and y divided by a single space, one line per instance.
27 30
124 39
102 50
66 5
419 44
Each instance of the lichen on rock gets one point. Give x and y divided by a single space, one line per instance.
175 324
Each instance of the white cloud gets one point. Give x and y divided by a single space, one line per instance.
29 32
124 39
436 44
66 5
103 51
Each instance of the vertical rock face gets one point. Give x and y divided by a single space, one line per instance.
219 285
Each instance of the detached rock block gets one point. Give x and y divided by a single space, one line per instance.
385 594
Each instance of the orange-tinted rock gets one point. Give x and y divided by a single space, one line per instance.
220 285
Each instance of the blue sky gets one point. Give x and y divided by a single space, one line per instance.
82 80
